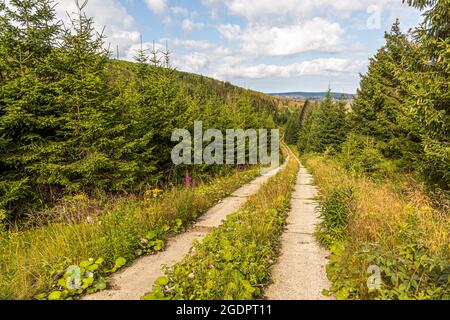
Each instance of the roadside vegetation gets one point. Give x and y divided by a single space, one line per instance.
388 223
99 237
234 261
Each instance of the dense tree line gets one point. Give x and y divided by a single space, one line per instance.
401 116
294 120
74 120
325 127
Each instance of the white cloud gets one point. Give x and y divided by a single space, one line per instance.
257 10
316 35
193 44
230 31
226 64
211 2
257 48
188 25
105 12
224 52
209 60
157 6
330 66
179 11
196 62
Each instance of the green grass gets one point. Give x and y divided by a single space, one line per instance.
32 261
234 261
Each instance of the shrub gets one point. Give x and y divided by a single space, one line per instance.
360 155
335 208
408 271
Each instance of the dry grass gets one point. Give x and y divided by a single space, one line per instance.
380 209
393 224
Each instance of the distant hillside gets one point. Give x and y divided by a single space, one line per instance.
313 95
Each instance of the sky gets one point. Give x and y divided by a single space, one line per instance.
264 45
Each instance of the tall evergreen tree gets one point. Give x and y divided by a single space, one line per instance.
293 128
427 86
79 157
404 98
378 107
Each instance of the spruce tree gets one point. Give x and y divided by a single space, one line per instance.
167 56
142 59
325 127
378 109
293 128
28 32
155 60
79 156
141 56
427 84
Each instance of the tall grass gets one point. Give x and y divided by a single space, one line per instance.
391 223
32 260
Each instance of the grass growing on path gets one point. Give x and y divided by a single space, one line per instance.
390 226
234 261
32 261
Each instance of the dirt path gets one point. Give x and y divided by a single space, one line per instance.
137 280
300 271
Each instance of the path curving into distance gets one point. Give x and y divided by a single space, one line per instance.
300 272
137 280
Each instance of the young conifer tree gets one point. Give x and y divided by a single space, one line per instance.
155 60
325 127
28 115
79 158
142 58
167 55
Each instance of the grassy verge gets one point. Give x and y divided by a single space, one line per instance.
98 241
234 261
384 230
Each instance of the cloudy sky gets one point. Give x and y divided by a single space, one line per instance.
265 45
